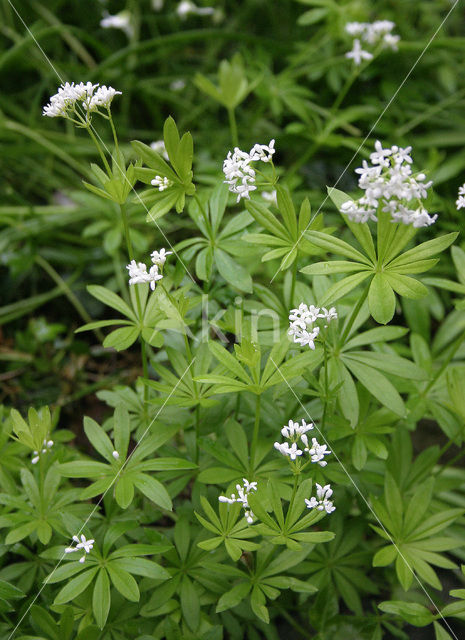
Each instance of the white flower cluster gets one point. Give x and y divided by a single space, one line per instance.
63 102
85 545
371 33
295 432
138 273
161 183
47 445
302 323
389 182
242 492
460 202
237 170
321 502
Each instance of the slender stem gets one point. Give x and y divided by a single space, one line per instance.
345 89
292 621
119 276
113 130
139 310
353 316
451 462
256 430
99 149
294 276
233 127
47 267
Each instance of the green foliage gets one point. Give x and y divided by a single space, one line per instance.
192 518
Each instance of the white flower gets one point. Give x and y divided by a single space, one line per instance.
317 452
46 446
262 152
177 85
161 183
121 21
355 28
391 41
157 5
159 257
187 7
159 147
304 337
138 274
294 429
460 202
328 315
103 97
321 502
115 454
358 54
270 196
292 451
242 492
85 545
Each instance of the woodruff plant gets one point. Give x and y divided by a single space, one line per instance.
204 525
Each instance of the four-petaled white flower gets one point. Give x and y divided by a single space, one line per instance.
46 446
390 183
358 54
302 323
85 545
322 501
138 274
159 257
242 492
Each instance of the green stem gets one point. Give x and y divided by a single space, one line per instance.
99 149
345 89
355 312
233 127
130 250
47 267
256 430
294 276
294 491
451 462
113 130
